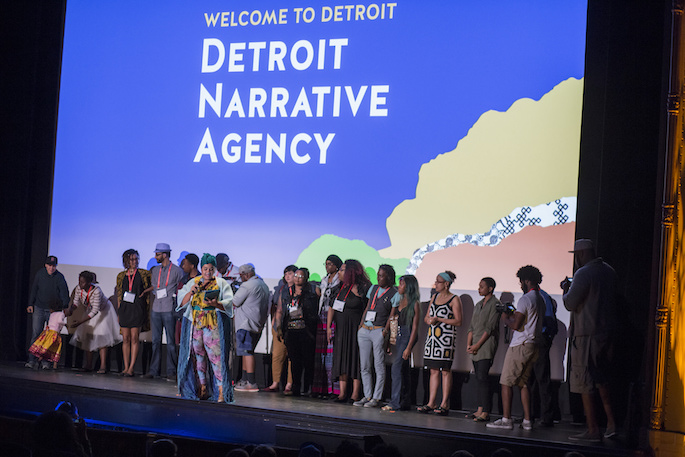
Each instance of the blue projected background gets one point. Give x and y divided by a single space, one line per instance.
434 104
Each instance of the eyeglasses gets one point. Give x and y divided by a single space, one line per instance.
299 276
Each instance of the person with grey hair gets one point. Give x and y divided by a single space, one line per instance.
251 304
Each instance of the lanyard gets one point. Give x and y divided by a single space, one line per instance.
130 280
337 297
159 276
205 285
373 302
292 296
87 301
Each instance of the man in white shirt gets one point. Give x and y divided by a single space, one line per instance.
522 352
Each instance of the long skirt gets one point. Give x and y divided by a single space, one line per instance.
101 331
324 384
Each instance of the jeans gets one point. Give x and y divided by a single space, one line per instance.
371 345
40 318
400 371
165 321
481 369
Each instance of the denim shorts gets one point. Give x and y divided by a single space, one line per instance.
245 342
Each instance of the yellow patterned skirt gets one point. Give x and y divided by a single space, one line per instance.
48 346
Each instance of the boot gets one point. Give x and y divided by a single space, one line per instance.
221 394
203 392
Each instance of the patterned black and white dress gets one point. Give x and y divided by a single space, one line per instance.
438 352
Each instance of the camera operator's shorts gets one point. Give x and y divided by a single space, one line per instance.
591 363
518 363
245 342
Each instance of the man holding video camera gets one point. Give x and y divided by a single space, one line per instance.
523 351
591 299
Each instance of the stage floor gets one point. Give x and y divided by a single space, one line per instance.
153 405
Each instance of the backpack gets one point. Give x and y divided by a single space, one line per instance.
547 327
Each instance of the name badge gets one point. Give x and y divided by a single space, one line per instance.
370 316
129 297
339 305
296 313
160 293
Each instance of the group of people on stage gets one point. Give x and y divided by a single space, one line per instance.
332 337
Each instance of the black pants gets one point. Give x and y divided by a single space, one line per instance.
540 385
482 368
301 348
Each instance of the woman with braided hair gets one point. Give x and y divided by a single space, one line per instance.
134 309
206 331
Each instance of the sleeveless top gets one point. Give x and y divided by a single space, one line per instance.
440 340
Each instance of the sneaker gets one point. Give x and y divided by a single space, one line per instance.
610 432
361 402
527 425
586 437
30 365
503 424
245 386
373 403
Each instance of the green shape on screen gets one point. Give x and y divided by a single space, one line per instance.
314 256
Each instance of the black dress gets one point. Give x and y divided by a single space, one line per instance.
299 327
345 347
133 314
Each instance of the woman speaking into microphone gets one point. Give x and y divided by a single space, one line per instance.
206 334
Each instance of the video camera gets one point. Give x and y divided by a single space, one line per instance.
506 308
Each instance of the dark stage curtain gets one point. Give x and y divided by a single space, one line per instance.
31 51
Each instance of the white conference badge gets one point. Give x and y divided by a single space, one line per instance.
160 293
370 316
129 297
339 305
295 312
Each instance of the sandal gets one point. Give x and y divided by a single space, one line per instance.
471 416
388 409
440 411
481 419
424 409
101 371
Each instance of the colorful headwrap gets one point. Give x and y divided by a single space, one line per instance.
207 258
446 277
